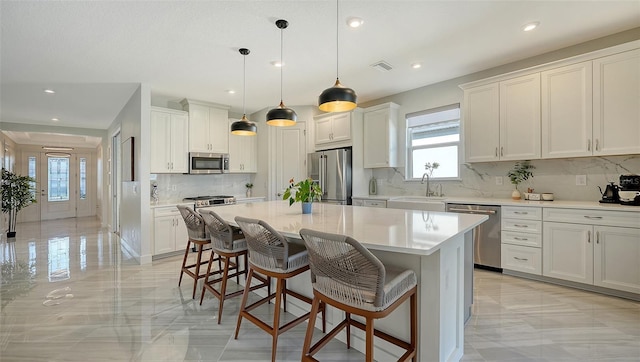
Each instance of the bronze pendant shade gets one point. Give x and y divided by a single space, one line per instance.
244 127
281 116
337 98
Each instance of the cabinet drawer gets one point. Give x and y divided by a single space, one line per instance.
522 258
520 238
166 211
529 213
374 203
527 226
593 217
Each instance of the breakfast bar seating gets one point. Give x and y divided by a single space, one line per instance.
199 236
347 276
272 255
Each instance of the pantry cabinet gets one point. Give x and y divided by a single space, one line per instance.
243 153
333 130
208 127
169 141
169 230
380 136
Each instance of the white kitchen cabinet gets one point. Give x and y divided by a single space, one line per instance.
567 104
208 127
616 115
332 130
169 230
521 239
243 153
502 120
369 202
380 136
600 248
169 141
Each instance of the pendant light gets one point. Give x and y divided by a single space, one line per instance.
281 116
337 98
244 127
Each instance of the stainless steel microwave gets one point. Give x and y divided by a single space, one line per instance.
205 163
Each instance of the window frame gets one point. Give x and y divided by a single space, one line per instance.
409 176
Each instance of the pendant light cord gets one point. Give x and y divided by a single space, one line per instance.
337 42
244 82
281 61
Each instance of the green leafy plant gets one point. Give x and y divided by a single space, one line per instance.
429 167
248 185
18 192
303 191
520 172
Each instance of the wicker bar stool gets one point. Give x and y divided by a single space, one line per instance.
272 255
199 236
349 277
227 242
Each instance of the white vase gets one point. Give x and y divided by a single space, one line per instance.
515 194
248 193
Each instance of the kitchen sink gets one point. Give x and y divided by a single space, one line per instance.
425 203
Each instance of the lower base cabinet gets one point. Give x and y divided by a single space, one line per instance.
169 230
525 259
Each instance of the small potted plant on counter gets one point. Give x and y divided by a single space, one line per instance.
520 172
305 191
249 186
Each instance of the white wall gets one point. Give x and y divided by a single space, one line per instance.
478 179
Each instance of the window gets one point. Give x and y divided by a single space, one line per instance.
32 174
83 178
58 179
434 136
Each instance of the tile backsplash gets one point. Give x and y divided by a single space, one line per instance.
175 187
557 176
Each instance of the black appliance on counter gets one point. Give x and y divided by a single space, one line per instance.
629 192
205 201
610 194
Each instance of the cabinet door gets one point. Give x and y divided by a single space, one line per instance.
567 251
179 143
164 231
160 142
218 130
341 127
378 151
323 130
616 115
250 163
567 111
520 118
481 123
617 258
243 154
181 234
198 128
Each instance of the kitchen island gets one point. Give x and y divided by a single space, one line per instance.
430 243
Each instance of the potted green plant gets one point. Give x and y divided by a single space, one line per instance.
305 191
520 172
249 186
18 192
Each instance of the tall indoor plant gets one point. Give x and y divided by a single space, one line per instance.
305 191
18 192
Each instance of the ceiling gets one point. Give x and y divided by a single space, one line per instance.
95 53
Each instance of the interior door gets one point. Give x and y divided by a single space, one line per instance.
58 186
291 154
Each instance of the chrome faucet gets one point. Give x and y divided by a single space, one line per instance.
429 192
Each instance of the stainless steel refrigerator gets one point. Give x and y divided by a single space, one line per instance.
332 171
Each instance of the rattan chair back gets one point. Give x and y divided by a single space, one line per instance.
268 248
222 234
195 224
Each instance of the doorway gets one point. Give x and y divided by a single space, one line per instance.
114 178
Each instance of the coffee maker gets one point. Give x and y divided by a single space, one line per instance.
629 192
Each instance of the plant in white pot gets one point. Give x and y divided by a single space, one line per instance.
520 172
18 192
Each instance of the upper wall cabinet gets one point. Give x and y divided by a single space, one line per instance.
502 120
380 136
616 113
333 130
243 153
169 141
208 127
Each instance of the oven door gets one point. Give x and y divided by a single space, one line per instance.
208 163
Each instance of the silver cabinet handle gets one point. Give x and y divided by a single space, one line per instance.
588 236
589 145
597 237
501 151
168 165
597 145
520 226
496 151
521 259
521 212
521 239
467 211
593 217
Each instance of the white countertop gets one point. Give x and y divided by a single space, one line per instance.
404 231
567 204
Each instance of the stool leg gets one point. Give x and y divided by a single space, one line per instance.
184 261
310 326
348 318
280 288
284 293
245 295
237 269
206 278
414 323
223 287
369 343
195 281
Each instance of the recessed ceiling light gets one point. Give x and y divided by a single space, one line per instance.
231 91
49 91
530 26
355 22
416 65
55 119
277 63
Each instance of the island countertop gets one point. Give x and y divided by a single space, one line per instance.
401 231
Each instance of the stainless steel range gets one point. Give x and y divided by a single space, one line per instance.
205 201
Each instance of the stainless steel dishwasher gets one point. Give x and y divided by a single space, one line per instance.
486 237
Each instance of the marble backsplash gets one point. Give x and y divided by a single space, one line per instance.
175 187
557 176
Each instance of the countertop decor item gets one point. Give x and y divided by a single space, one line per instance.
18 192
244 127
281 116
305 191
520 172
249 186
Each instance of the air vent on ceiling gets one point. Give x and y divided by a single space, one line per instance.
382 66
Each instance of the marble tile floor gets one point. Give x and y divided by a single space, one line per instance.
70 293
